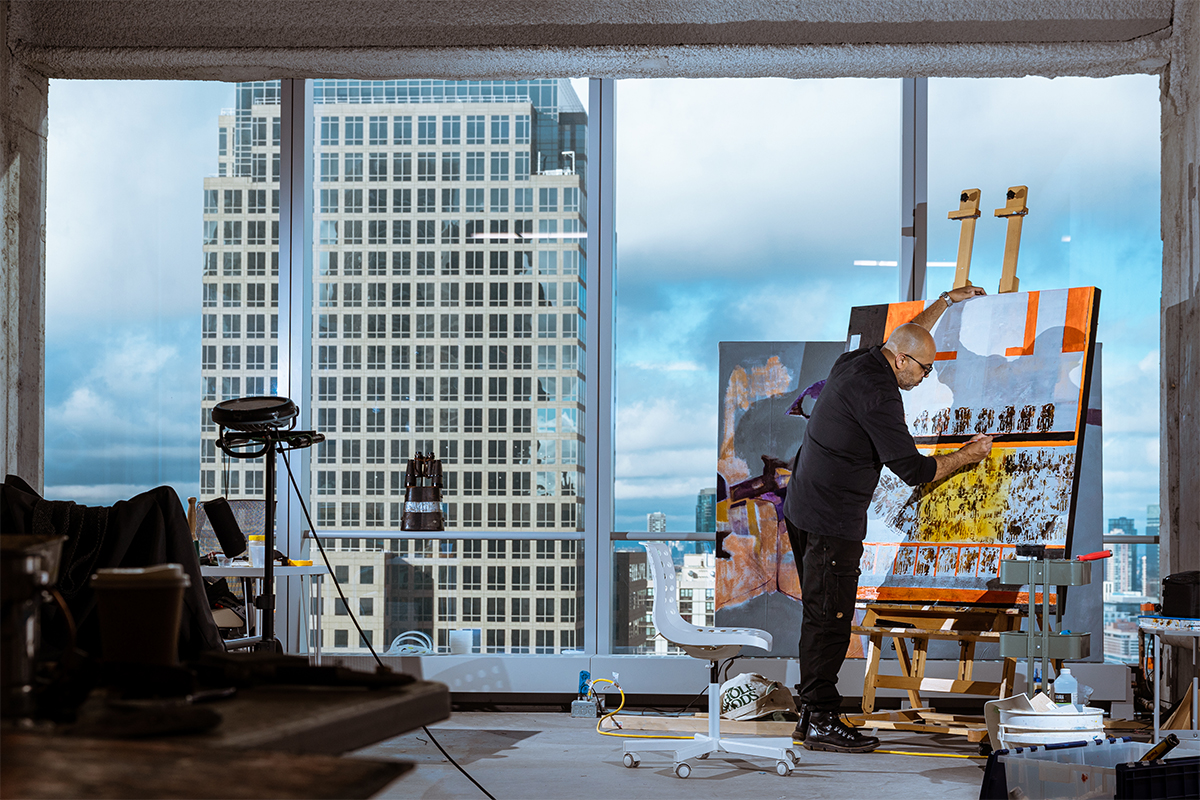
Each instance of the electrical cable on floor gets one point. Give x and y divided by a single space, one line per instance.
592 693
354 619
927 755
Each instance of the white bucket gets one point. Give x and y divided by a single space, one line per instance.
1025 728
1026 737
1087 719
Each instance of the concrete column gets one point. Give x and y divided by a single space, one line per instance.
1179 469
22 264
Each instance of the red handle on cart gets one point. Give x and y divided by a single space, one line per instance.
1099 554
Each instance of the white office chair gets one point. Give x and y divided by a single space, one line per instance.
713 645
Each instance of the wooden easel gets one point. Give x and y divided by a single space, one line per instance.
1015 210
967 625
968 212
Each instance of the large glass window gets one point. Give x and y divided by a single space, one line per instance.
742 208
132 288
1089 154
422 253
747 210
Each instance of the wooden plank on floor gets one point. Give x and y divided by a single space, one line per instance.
903 715
698 724
957 729
945 719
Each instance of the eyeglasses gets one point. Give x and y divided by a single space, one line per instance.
926 368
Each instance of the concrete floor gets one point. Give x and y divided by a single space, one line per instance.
531 756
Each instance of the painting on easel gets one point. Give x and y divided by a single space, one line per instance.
1015 365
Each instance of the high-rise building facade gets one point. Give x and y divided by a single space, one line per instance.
1122 571
706 511
656 522
449 293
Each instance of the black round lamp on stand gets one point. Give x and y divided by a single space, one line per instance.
251 427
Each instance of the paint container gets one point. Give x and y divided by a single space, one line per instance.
258 550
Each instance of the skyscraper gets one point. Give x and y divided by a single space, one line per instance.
706 511
656 522
1123 570
449 290
1150 572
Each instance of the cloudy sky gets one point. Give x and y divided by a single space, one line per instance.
741 207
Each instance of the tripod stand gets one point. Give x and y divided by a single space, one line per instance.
256 422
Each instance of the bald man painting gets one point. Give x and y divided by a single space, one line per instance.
856 428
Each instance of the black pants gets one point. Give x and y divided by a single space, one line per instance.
828 568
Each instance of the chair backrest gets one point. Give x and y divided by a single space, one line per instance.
251 516
672 625
665 609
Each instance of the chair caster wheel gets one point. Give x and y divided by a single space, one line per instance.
631 760
682 769
783 768
792 757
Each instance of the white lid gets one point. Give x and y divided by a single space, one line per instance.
141 577
1065 671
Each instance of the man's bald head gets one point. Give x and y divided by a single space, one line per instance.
911 350
912 340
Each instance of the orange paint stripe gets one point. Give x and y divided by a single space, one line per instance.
885 593
950 355
1032 443
901 314
1031 315
1078 321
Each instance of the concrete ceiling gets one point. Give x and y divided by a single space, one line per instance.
245 39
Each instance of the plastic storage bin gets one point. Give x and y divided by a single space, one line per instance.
1161 780
1069 770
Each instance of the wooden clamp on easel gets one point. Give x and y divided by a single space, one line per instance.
1015 209
967 625
968 212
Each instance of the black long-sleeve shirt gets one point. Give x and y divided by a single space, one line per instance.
856 426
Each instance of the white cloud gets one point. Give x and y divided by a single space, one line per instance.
126 417
658 424
103 494
125 167
721 170
668 366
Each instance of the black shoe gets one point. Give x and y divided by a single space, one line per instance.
802 727
826 731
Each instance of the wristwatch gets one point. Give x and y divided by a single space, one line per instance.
945 297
